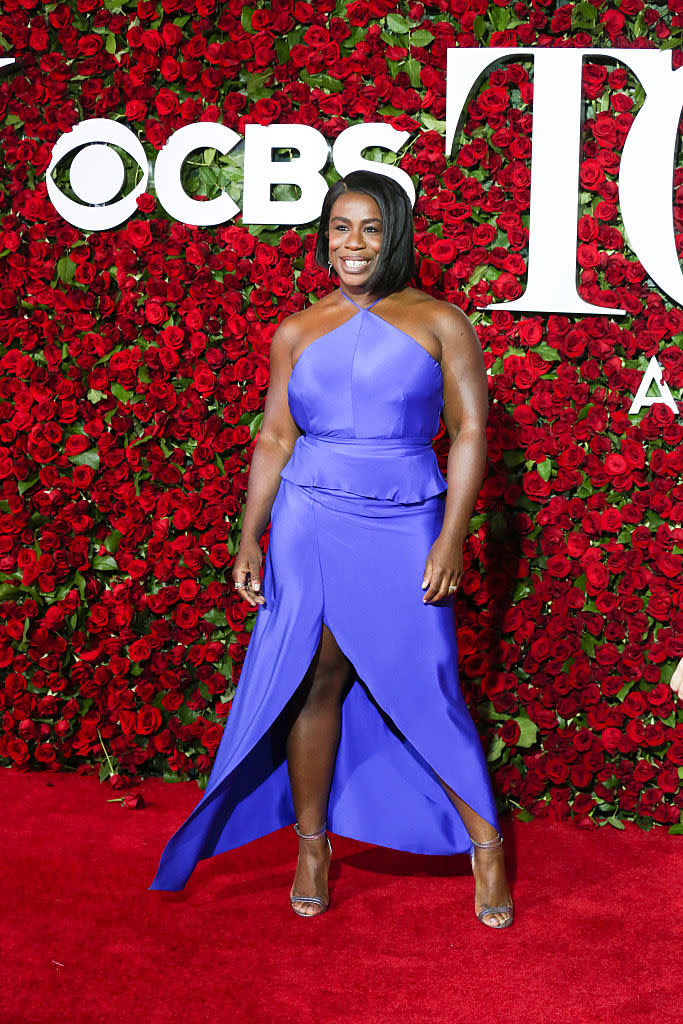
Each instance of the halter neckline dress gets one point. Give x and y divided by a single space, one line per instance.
360 503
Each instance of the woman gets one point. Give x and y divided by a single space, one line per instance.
348 709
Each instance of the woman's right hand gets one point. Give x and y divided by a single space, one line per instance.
246 572
677 680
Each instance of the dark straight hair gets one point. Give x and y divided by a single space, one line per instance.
396 261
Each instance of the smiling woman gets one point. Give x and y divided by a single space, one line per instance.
382 258
348 711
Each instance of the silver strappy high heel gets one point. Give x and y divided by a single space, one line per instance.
317 900
485 911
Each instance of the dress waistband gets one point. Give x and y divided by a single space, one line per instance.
401 469
370 442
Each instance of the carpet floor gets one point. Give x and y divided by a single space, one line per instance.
597 938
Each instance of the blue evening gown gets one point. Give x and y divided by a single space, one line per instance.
360 503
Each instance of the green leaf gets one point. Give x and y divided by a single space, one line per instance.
524 815
396 23
584 15
255 425
421 38
112 542
209 156
496 749
588 645
479 28
321 82
433 123
216 617
482 272
615 823
676 830
282 49
94 396
544 469
500 17
625 690
256 88
80 584
66 270
26 485
110 43
413 68
245 19
105 563
528 731
546 352
121 393
513 458
90 458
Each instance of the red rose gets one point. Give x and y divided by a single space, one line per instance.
139 650
155 313
138 234
148 721
132 801
211 738
204 380
616 465
166 103
510 732
146 204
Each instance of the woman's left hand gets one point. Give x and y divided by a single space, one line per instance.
443 569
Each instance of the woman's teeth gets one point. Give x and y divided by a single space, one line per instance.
355 264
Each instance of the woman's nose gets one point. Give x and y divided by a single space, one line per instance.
355 239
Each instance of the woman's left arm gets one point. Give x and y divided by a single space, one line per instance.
465 414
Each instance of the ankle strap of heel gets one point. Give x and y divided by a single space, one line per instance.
490 844
310 835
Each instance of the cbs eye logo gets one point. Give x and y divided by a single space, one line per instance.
97 174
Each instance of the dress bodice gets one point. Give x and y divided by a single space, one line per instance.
368 398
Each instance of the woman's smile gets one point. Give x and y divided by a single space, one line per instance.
353 264
355 237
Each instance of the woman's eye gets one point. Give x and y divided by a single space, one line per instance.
106 172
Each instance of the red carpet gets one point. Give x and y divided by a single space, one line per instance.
597 938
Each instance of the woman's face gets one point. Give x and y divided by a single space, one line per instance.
355 238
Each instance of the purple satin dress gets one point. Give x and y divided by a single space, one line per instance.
360 503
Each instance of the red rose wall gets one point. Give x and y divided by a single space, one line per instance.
134 365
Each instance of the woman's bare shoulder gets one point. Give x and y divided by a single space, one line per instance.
296 325
446 320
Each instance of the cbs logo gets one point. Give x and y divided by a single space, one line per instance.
97 172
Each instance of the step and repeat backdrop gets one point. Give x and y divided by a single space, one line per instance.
163 165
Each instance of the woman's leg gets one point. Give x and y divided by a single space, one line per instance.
492 888
314 720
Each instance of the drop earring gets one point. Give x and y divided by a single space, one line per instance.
329 264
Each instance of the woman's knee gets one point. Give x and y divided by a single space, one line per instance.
331 671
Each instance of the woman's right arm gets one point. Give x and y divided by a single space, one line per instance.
273 448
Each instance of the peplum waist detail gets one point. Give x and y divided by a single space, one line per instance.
401 469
